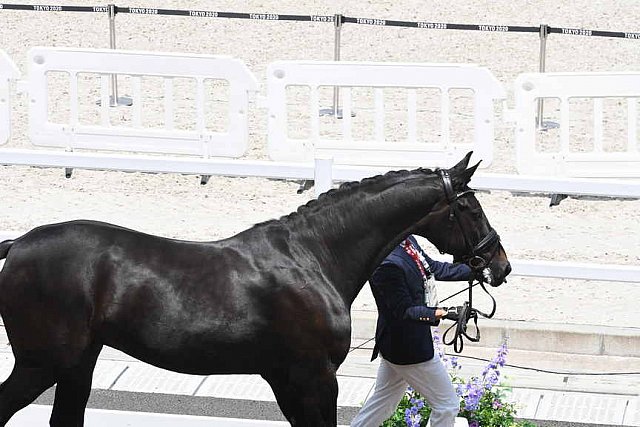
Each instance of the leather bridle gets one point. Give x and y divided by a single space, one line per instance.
474 259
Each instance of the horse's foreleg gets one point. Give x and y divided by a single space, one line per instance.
319 399
307 397
22 387
72 391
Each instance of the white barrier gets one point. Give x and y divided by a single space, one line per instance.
137 137
321 166
598 162
352 150
8 72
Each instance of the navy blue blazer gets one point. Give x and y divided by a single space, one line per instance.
403 331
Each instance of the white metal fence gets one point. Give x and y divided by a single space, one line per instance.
8 72
199 150
372 146
94 67
592 158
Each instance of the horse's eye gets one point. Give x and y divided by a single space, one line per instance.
477 214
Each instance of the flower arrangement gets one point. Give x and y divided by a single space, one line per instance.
482 402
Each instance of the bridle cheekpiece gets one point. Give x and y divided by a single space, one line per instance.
473 258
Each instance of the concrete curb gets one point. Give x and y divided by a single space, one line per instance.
534 336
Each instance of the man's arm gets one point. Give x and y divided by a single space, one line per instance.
390 283
446 271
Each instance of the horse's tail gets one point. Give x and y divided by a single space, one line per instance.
4 248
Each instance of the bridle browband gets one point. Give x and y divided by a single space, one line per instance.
473 258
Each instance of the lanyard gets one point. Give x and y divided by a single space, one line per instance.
413 253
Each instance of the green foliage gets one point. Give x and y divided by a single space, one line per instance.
493 411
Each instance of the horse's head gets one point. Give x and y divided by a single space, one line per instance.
458 226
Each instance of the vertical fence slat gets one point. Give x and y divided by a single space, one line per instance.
445 119
597 125
136 83
168 102
564 125
632 124
412 113
379 115
73 99
314 105
346 114
200 119
104 99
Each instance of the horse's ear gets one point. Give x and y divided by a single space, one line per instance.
462 164
464 177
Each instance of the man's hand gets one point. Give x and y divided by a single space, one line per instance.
450 313
441 312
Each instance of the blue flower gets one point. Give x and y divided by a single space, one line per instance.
412 417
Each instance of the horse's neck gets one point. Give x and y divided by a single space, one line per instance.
353 235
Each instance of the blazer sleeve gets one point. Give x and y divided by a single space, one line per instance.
389 282
446 271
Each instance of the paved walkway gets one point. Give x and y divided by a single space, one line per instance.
569 397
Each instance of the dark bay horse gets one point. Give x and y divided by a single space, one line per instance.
273 300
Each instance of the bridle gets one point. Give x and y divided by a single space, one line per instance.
473 258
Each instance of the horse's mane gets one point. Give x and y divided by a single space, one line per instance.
346 189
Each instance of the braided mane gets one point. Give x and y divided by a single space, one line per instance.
346 189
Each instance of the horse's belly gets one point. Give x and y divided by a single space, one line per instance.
216 351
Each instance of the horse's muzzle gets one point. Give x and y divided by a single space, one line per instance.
499 279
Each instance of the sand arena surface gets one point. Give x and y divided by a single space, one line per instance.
586 230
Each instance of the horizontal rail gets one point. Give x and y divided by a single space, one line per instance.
304 171
576 270
323 18
553 185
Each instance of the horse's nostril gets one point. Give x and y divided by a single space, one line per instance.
507 270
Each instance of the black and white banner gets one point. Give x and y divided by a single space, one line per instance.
323 18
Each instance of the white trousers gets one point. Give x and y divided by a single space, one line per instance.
429 378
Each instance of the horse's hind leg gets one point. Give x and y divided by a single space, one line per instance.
22 387
72 391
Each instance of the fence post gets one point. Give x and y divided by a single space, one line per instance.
323 174
115 100
544 34
335 108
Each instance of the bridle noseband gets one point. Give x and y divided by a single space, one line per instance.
473 258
